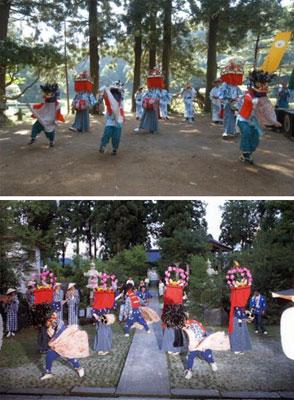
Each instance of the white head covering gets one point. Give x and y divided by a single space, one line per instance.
71 285
10 290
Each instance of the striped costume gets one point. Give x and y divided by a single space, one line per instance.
73 309
57 303
11 310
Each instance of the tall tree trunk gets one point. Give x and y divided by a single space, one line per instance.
77 246
167 42
137 66
93 32
153 41
89 239
95 248
256 49
211 57
4 17
63 255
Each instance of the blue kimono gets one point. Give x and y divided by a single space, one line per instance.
11 310
239 338
149 120
82 119
73 309
230 96
57 303
258 306
103 337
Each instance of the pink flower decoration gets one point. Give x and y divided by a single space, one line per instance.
232 277
227 277
169 269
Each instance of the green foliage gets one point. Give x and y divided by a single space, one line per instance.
204 291
183 245
123 224
8 275
18 55
240 221
271 255
131 262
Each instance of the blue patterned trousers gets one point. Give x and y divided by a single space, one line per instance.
135 317
203 355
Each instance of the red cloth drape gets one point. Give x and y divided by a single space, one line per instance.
239 298
173 295
103 299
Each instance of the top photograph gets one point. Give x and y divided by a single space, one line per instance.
146 98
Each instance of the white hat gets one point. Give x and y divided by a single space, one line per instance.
10 290
71 285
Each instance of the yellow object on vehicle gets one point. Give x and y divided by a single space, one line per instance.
277 51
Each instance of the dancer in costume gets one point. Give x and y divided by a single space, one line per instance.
103 338
230 94
11 310
113 98
58 300
149 120
173 315
139 103
104 301
81 105
73 299
239 281
284 96
47 114
216 103
132 310
249 116
173 318
83 101
188 94
151 99
196 333
165 99
66 342
258 307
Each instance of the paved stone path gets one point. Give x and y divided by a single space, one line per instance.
146 372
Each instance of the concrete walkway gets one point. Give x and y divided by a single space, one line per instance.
146 372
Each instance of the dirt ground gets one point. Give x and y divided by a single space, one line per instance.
182 160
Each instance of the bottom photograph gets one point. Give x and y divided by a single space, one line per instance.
144 299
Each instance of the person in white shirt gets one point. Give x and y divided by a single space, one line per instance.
216 105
